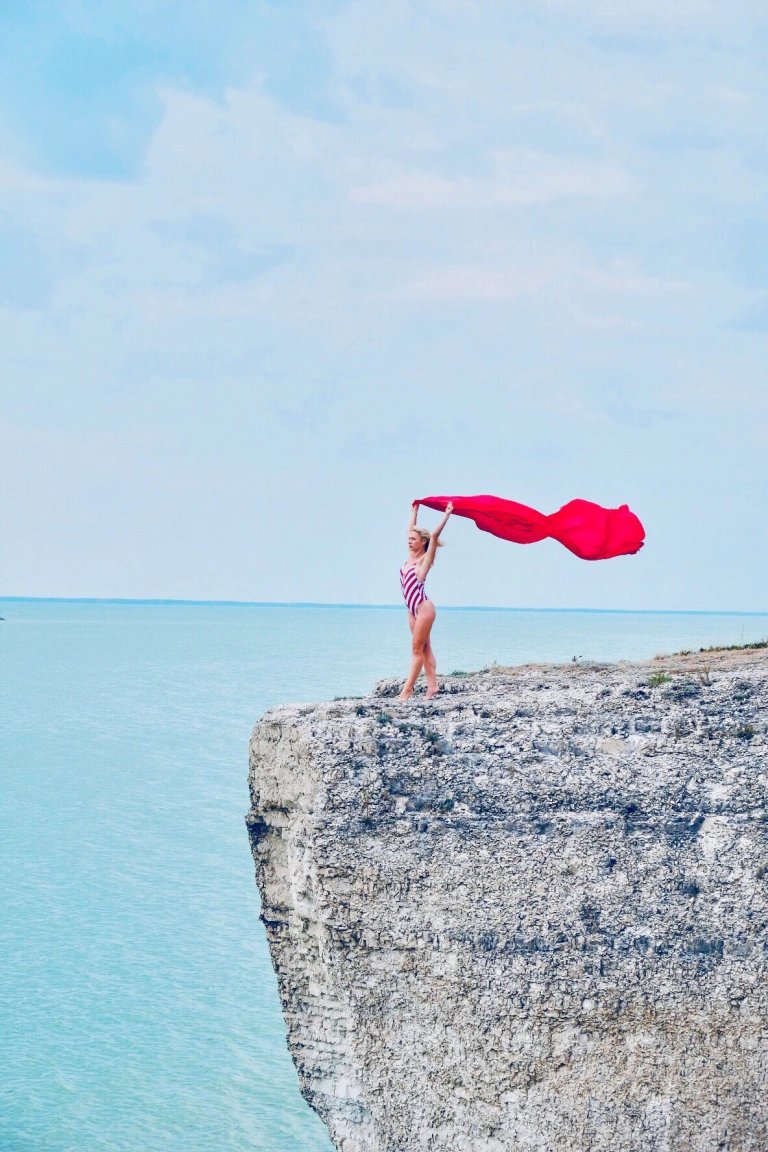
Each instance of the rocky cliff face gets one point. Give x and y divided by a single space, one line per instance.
531 914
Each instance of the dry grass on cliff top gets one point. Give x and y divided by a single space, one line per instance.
723 648
665 663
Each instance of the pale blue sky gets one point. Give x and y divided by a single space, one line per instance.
269 270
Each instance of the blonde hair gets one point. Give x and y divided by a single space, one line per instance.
426 536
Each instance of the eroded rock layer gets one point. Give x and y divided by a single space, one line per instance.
530 914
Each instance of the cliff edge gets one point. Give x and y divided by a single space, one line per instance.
530 914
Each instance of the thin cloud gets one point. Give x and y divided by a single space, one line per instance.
522 179
626 282
474 283
559 277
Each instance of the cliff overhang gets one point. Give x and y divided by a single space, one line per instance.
529 914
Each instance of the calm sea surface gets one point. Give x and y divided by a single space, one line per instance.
138 1008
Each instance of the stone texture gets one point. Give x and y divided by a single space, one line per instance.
531 914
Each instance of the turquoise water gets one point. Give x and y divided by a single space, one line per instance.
138 1008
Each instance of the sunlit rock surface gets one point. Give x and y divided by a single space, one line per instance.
531 914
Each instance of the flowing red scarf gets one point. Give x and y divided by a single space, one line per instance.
591 532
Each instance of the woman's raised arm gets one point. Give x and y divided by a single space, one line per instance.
429 556
414 514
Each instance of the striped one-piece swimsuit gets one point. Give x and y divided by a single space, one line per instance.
413 589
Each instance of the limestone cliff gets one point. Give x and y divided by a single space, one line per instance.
531 914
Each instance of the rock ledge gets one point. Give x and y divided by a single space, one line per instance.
531 914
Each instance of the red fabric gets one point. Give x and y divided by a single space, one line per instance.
591 532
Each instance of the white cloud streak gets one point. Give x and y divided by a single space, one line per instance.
522 178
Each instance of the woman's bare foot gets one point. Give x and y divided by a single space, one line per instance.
405 695
432 690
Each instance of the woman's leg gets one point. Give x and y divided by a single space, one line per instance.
430 670
430 663
420 629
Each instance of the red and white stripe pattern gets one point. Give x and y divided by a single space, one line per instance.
413 589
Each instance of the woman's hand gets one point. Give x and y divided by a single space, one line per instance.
448 508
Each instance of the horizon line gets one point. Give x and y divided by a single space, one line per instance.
179 602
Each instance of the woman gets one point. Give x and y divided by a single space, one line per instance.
422 546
